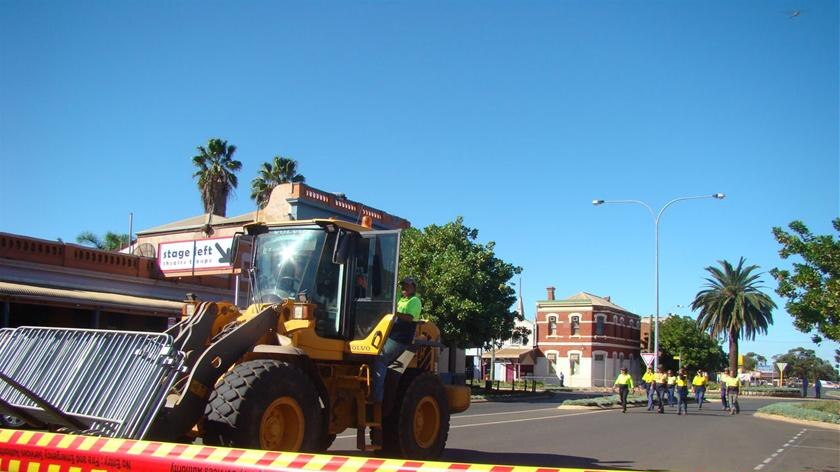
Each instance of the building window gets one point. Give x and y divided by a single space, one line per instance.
574 364
575 325
599 357
552 362
599 326
552 326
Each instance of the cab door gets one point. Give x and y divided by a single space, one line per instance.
373 282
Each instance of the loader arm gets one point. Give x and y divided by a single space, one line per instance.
185 409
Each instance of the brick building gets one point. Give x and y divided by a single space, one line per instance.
587 338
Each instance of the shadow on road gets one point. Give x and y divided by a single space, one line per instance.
532 459
468 456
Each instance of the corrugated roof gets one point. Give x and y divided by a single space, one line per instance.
89 299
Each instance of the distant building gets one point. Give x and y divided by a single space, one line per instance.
587 338
515 359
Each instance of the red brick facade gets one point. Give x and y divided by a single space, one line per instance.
588 330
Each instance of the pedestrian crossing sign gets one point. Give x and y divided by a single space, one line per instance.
648 358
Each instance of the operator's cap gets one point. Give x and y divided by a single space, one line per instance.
408 281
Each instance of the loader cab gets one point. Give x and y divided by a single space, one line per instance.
348 273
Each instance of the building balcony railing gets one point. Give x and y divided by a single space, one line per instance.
22 248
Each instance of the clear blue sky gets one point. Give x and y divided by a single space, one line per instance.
515 115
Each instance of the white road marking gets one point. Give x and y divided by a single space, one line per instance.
816 447
528 419
503 413
776 454
519 420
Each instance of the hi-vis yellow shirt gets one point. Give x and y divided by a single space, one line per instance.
732 381
672 380
648 377
681 382
624 379
660 377
699 381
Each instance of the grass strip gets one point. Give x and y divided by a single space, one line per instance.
827 411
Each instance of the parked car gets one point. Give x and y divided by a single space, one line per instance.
829 384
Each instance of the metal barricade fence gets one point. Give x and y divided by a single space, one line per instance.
113 382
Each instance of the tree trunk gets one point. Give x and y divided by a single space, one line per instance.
220 195
733 352
453 361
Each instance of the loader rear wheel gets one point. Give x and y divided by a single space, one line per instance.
264 404
418 426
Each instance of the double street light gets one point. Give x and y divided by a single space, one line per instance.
656 218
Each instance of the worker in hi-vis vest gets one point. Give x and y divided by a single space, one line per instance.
624 383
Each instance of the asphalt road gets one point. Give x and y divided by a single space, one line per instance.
536 433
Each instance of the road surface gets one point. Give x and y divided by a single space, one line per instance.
536 433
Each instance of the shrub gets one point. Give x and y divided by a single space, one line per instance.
606 401
802 411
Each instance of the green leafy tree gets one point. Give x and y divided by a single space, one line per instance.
804 362
216 174
281 170
813 289
733 306
464 287
109 242
680 336
753 360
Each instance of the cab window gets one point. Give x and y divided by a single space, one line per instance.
374 280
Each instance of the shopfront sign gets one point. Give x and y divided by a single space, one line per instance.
199 255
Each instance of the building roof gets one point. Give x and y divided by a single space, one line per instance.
584 299
197 222
525 355
277 210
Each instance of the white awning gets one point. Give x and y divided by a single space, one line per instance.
88 299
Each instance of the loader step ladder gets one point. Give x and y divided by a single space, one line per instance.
106 383
369 416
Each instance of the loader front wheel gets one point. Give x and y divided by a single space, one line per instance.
264 404
419 425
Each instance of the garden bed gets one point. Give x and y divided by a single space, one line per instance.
605 401
825 411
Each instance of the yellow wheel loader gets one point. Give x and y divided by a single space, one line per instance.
288 373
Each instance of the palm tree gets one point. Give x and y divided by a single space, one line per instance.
111 242
216 174
733 305
280 171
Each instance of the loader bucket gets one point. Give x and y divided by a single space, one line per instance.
105 383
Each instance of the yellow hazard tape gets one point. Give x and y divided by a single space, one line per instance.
31 451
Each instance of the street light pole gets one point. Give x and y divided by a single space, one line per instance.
656 217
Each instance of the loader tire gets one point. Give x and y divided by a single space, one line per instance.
265 404
418 426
